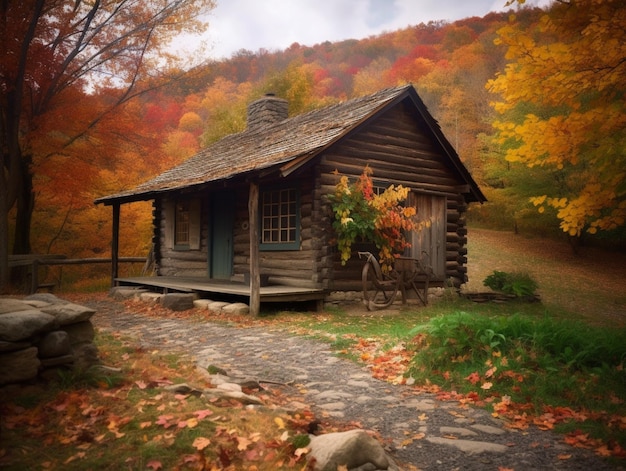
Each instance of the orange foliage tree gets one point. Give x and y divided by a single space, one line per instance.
53 52
562 109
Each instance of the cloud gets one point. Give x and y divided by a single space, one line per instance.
276 24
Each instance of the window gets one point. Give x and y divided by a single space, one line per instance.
181 231
279 219
183 224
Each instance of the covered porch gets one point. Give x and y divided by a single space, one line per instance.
206 287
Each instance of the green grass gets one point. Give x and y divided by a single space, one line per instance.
537 357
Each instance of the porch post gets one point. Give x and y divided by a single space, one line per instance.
115 243
255 277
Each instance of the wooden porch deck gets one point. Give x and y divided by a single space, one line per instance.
207 286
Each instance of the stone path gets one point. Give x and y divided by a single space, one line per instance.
419 431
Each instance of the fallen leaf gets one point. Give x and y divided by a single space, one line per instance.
301 451
280 422
203 414
200 443
486 385
79 455
564 457
243 443
473 378
154 464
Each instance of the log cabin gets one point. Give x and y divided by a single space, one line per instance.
249 215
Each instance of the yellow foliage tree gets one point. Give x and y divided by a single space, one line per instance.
562 108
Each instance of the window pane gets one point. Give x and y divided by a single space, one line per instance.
181 223
279 214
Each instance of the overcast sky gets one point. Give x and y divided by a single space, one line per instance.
276 24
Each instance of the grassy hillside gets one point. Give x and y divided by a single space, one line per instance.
589 283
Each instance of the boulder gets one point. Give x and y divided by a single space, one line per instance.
151 298
217 306
57 361
351 450
178 301
120 293
85 356
202 303
12 346
80 332
236 308
8 305
54 344
20 325
69 313
21 365
45 297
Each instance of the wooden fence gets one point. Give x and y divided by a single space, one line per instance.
35 261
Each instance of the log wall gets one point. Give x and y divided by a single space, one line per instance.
285 267
171 262
397 154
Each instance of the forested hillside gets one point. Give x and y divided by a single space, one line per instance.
470 73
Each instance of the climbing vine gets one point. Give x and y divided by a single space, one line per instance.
363 215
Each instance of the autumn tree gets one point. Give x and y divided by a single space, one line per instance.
51 48
562 108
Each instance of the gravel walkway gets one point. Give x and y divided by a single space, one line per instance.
420 431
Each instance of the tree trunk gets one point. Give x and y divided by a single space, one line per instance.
4 238
25 204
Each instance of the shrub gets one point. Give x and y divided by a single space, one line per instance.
516 284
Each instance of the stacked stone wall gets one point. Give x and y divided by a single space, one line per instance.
43 332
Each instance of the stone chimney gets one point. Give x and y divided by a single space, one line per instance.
266 111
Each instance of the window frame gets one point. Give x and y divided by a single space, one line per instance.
182 244
275 246
170 209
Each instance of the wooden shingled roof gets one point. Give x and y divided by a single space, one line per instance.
293 139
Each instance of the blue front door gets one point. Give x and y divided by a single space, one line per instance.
221 234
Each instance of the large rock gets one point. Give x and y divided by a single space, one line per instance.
12 346
85 355
120 293
54 344
69 313
45 297
15 326
8 305
351 449
178 301
21 365
236 309
80 332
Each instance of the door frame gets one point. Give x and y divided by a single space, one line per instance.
221 241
